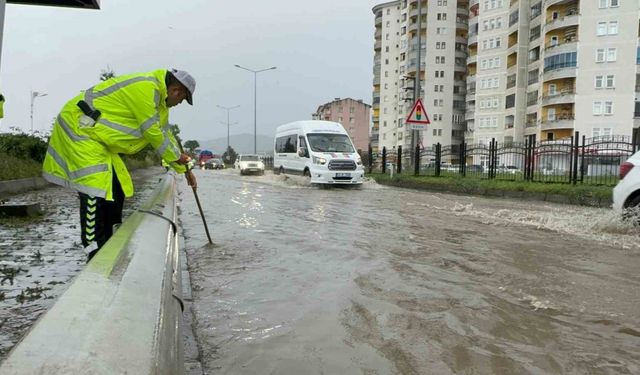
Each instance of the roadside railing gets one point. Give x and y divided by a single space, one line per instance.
571 160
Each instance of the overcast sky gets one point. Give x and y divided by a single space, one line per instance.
322 50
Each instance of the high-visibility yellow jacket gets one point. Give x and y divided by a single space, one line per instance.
134 114
1 106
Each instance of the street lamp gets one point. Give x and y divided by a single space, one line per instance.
255 78
228 109
34 95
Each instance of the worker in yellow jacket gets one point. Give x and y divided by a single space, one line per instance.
121 115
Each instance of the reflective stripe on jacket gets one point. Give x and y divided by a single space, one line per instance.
133 114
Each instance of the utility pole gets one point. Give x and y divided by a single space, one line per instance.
255 102
416 86
34 95
228 109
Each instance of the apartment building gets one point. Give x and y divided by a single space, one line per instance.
443 58
354 115
549 68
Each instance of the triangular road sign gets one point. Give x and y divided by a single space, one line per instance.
418 115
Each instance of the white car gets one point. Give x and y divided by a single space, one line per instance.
250 164
626 194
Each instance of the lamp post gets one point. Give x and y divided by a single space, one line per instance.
34 95
228 109
255 89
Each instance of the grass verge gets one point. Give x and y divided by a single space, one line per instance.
12 168
586 195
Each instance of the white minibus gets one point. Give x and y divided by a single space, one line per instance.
320 150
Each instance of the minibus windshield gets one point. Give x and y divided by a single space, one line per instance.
330 143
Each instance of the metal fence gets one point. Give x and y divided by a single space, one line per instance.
571 160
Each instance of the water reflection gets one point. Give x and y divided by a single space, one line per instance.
382 280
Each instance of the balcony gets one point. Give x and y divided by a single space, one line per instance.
562 22
570 45
412 66
563 97
376 79
414 12
461 54
378 34
378 20
460 68
470 115
462 12
414 25
472 59
378 45
559 73
473 2
473 39
563 121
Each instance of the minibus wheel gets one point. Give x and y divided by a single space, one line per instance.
306 173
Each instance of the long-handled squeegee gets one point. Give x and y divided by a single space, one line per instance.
195 194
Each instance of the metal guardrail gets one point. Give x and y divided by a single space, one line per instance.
123 312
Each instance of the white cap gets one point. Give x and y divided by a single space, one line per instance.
187 80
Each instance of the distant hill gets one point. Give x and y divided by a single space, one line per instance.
241 143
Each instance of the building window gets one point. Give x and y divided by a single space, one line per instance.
613 27
611 54
600 55
608 4
610 81
603 107
599 82
605 81
602 28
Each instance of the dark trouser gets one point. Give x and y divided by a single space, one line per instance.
98 215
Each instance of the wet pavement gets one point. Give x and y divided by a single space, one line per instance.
40 256
381 280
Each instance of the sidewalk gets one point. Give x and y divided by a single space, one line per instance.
39 256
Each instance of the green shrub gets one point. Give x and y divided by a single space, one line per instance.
23 146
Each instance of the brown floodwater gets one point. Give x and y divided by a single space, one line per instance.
382 280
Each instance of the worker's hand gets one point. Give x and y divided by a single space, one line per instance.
191 179
184 159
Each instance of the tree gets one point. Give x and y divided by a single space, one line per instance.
229 156
106 74
191 145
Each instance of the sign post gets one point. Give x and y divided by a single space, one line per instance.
418 117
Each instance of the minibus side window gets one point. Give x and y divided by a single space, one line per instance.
290 144
303 146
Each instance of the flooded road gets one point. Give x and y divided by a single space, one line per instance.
390 281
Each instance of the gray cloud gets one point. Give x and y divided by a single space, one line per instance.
322 50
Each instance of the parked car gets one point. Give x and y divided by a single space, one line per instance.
626 194
475 168
510 169
214 164
250 164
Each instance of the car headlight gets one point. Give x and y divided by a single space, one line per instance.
359 161
318 160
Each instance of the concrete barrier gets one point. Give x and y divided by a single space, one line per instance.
23 184
123 313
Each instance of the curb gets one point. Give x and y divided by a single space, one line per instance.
496 193
18 186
